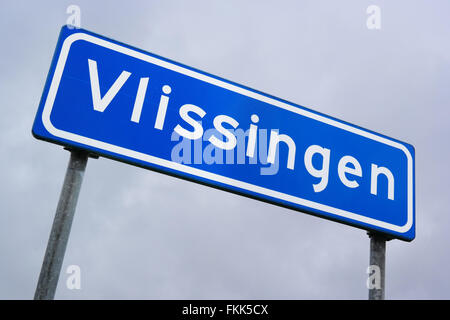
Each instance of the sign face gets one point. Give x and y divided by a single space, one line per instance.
130 105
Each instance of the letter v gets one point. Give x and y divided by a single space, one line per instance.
100 104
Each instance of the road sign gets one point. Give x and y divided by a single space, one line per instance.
130 105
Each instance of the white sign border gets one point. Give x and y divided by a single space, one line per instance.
204 174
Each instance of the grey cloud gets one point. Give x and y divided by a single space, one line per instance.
139 234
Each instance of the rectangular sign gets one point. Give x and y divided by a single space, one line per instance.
130 105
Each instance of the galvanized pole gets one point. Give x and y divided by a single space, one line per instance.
377 265
59 235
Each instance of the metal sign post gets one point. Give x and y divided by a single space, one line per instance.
59 235
378 259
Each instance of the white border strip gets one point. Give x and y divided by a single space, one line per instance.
204 174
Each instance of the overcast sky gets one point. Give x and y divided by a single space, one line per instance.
138 234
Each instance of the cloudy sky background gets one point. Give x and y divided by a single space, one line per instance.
143 235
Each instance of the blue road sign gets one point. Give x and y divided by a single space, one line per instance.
130 105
